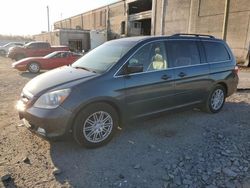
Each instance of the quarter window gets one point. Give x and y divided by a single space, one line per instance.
215 51
183 53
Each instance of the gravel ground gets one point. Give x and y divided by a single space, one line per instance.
182 149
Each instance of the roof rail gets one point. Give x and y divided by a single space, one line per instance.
194 35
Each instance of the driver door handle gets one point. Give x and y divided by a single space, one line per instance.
165 77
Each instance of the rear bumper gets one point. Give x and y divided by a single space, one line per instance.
53 123
232 85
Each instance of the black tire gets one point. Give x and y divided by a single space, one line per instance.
212 104
33 67
91 122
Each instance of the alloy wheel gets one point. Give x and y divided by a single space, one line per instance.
217 99
98 126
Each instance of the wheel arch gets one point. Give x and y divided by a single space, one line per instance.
109 102
223 84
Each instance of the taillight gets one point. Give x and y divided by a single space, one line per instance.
236 69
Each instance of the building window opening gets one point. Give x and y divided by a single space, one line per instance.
123 24
140 6
140 27
75 45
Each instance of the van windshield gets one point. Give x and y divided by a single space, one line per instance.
103 57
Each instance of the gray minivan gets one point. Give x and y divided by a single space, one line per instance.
125 79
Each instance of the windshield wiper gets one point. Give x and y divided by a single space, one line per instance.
84 68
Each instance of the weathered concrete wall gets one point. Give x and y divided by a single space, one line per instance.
51 37
207 18
116 14
175 16
65 36
62 37
104 18
92 20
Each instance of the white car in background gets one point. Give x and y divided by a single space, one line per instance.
5 48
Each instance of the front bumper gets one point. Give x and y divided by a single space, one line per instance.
48 123
19 67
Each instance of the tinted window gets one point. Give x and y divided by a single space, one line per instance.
183 53
43 45
215 51
32 45
152 56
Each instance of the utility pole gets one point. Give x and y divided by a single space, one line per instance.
48 18
225 21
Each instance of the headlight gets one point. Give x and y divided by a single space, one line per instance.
52 99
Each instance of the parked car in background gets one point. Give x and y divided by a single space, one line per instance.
5 48
50 61
34 49
125 79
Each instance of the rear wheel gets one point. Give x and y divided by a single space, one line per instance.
95 125
34 67
215 100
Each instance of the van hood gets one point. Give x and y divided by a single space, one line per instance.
55 78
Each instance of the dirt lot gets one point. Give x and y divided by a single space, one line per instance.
184 149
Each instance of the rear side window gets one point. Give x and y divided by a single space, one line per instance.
183 53
215 51
43 45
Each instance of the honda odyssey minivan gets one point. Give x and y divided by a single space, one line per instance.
125 79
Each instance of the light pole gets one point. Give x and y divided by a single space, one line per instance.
225 21
48 18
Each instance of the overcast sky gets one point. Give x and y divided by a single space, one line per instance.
28 17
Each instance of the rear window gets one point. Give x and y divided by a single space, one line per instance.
215 51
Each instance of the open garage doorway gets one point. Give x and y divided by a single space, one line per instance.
140 27
139 17
75 45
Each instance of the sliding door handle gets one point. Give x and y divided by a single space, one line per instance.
182 74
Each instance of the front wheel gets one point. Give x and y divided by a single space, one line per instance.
95 125
34 67
215 100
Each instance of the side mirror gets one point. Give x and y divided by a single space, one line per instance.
134 68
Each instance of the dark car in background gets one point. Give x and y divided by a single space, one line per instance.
5 48
50 61
125 79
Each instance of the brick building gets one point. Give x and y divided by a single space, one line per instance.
166 17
